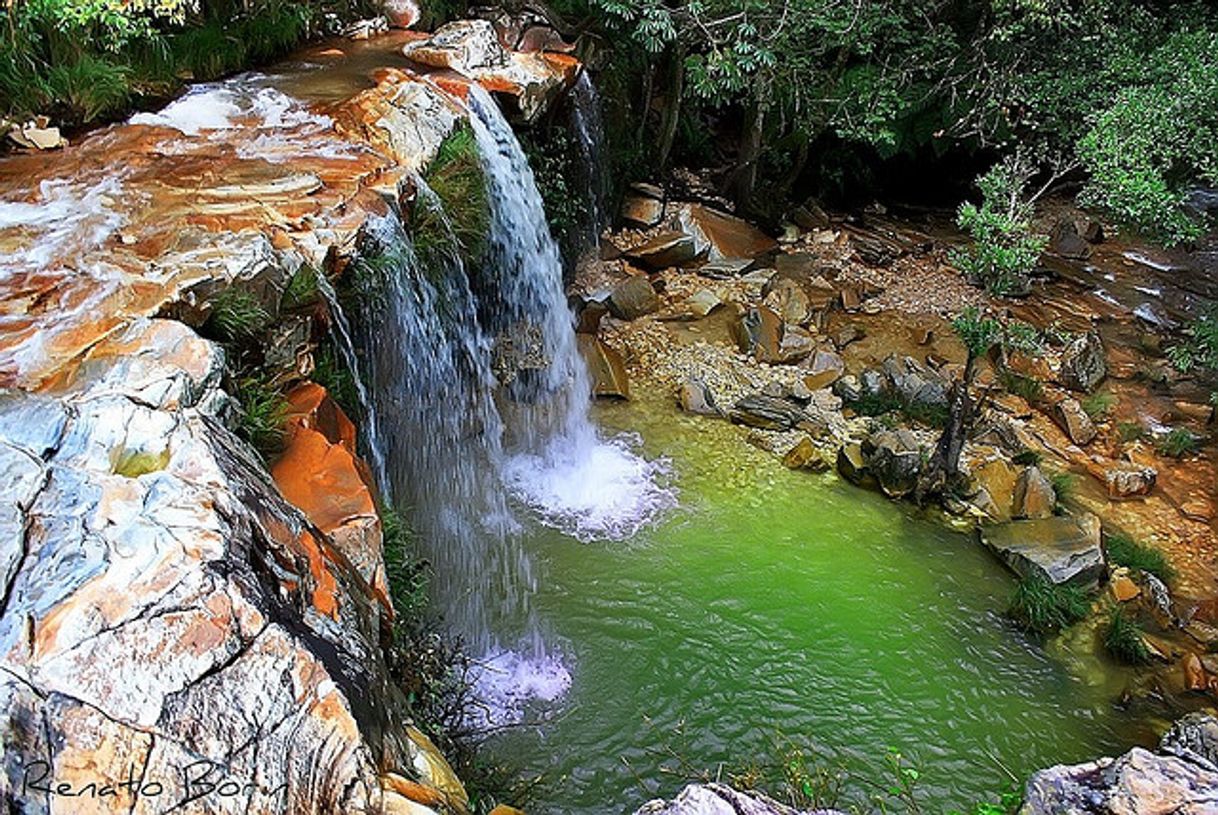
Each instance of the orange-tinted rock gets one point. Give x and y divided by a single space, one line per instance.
605 366
721 236
1122 587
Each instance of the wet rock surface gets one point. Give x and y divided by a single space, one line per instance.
720 799
1180 778
1061 549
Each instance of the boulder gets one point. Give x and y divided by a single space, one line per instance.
719 236
664 251
642 211
767 413
895 459
797 343
915 383
804 456
1083 365
720 799
1035 497
634 297
606 367
852 464
995 480
1071 418
1180 779
472 49
1065 241
758 333
1130 480
702 302
1061 549
695 397
824 369
789 301
726 269
1122 587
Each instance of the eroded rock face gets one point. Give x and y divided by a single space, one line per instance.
472 48
171 613
1181 779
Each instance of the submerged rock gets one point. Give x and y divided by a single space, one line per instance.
1061 549
1181 779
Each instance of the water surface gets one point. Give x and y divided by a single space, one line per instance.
778 607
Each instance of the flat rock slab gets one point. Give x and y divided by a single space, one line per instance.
1063 549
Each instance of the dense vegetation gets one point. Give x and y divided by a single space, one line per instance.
1117 97
82 61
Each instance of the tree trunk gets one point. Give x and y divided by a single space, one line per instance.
944 464
672 113
744 178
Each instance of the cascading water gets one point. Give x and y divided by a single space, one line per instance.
587 117
557 463
481 397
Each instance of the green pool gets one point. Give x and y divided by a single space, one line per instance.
776 608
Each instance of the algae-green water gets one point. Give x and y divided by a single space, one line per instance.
779 608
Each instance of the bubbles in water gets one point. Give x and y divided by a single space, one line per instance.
238 102
506 682
68 218
600 490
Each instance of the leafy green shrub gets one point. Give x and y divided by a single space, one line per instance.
1155 137
1200 350
1099 404
1043 607
236 316
1028 458
264 412
1178 443
89 88
332 373
1005 250
1123 639
1125 551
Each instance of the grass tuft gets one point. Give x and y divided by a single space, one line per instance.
1031 390
236 316
457 178
1125 551
1178 443
301 290
264 412
1064 486
1042 607
1123 639
1099 405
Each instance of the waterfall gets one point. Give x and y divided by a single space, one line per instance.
587 116
481 401
341 333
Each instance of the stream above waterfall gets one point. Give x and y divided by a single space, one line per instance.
781 608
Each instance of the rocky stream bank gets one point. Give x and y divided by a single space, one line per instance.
188 623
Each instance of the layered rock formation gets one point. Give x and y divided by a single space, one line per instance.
178 627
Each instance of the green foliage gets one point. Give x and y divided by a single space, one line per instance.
1032 390
978 333
1099 404
1008 803
264 412
331 373
555 159
1125 551
1156 136
1123 639
236 316
1130 431
1178 443
1005 249
1043 607
1200 350
1064 486
890 403
82 61
463 217
1028 458
302 289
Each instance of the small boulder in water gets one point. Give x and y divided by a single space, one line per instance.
720 799
1061 549
606 368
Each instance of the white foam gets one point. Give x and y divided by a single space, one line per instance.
68 217
592 489
204 108
238 102
506 683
